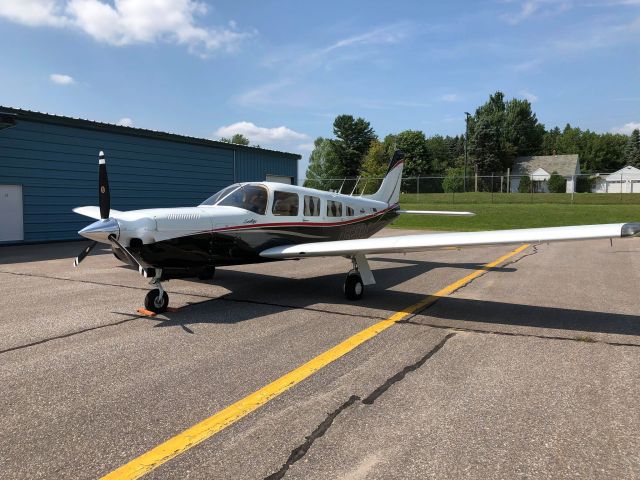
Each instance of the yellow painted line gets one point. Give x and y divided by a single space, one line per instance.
191 437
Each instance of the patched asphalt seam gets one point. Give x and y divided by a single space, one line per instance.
580 339
300 451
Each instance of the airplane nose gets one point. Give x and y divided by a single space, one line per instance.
100 230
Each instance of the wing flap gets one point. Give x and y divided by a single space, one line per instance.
416 243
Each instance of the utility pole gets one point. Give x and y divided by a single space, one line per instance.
466 149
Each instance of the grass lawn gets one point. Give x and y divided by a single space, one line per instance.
498 216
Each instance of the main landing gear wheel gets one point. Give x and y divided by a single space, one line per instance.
156 302
353 286
207 274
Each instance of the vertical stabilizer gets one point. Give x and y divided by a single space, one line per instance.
389 191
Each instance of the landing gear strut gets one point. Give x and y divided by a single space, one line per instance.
358 277
157 300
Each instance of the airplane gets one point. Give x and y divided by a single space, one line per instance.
256 222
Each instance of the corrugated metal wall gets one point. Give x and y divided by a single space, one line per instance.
57 165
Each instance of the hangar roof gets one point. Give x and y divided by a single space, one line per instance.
19 114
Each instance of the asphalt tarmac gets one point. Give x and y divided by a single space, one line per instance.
531 370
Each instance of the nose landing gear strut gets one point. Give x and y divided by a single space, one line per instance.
358 277
157 300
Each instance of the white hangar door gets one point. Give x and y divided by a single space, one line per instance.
11 223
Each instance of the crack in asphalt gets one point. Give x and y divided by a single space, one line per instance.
301 450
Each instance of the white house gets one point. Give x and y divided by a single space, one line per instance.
625 180
540 167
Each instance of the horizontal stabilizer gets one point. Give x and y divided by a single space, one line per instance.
437 212
94 212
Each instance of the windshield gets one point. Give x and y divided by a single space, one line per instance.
248 197
212 200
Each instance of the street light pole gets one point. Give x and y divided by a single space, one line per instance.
466 148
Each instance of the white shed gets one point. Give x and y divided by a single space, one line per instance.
625 180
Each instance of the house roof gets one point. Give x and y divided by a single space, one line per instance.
565 165
626 173
9 115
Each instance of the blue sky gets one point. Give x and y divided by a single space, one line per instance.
279 72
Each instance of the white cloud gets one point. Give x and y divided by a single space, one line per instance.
627 128
528 95
306 147
538 8
275 135
60 79
527 65
450 97
125 22
125 122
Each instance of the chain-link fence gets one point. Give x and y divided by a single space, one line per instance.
587 189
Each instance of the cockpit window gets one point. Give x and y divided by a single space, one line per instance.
248 197
213 199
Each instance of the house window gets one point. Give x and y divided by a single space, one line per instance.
285 204
311 206
334 209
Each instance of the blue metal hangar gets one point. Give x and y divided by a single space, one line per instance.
49 165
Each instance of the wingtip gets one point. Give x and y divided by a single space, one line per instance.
630 229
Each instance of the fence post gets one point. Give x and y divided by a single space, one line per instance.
453 190
573 187
491 187
418 189
531 187
620 187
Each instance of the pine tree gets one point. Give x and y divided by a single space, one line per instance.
632 149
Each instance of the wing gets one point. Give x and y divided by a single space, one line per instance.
94 212
416 243
437 212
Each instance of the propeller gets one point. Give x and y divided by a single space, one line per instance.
105 228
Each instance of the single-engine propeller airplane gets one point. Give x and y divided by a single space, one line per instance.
262 221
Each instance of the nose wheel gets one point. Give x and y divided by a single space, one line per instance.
157 300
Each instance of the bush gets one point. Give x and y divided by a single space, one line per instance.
525 184
453 180
584 184
557 184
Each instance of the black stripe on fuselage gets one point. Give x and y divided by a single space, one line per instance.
243 245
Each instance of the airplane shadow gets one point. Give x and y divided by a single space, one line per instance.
323 294
42 252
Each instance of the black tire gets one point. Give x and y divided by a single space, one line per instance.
155 303
353 286
207 274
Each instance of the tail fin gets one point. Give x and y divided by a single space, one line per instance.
389 191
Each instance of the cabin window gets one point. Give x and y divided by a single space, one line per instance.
334 209
248 197
285 204
311 206
350 212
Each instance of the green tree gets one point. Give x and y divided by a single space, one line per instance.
374 167
453 180
525 184
353 137
324 165
487 143
632 149
416 150
522 130
557 183
237 138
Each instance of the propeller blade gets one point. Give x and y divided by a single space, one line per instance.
129 255
84 253
104 197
